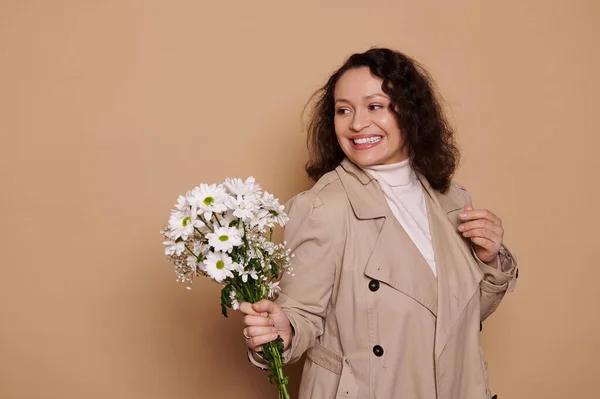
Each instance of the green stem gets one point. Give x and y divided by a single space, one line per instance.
242 293
276 365
245 239
206 224
248 293
199 232
252 291
217 219
198 258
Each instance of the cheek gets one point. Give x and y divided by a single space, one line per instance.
336 126
342 141
339 128
389 125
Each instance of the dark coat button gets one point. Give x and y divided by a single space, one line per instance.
373 285
378 350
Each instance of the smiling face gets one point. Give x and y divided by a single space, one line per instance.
365 127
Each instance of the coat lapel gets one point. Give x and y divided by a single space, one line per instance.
458 273
394 260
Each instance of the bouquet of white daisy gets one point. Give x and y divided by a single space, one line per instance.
225 232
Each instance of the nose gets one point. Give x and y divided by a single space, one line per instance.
360 120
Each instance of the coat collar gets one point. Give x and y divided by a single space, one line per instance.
394 259
458 274
368 201
366 198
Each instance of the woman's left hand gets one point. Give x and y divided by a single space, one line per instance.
485 231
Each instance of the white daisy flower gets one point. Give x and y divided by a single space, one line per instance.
218 266
192 262
224 238
200 249
226 219
244 208
235 305
208 199
182 203
181 224
174 247
260 219
247 188
251 273
244 274
268 200
274 208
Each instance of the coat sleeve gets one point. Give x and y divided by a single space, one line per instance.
496 281
306 292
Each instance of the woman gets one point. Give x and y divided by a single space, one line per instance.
394 268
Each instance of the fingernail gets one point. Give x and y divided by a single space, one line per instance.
264 314
461 227
274 329
463 215
274 336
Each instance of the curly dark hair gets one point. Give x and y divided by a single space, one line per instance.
428 137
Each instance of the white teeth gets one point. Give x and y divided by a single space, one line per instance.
367 140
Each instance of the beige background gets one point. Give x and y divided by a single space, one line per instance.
110 109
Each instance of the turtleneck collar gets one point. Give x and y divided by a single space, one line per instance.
394 175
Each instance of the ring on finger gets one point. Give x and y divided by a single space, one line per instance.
245 334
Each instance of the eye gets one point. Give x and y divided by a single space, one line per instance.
342 111
375 107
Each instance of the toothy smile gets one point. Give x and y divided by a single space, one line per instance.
367 140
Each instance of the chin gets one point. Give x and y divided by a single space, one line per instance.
365 161
365 158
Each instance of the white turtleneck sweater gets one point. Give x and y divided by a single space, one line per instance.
405 197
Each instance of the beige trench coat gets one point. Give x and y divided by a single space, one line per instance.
366 306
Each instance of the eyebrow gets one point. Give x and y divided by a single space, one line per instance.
370 96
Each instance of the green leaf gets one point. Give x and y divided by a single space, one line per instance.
227 292
235 255
225 299
279 343
253 264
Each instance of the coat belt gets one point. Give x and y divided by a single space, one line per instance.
325 358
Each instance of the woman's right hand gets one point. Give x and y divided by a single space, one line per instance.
264 321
